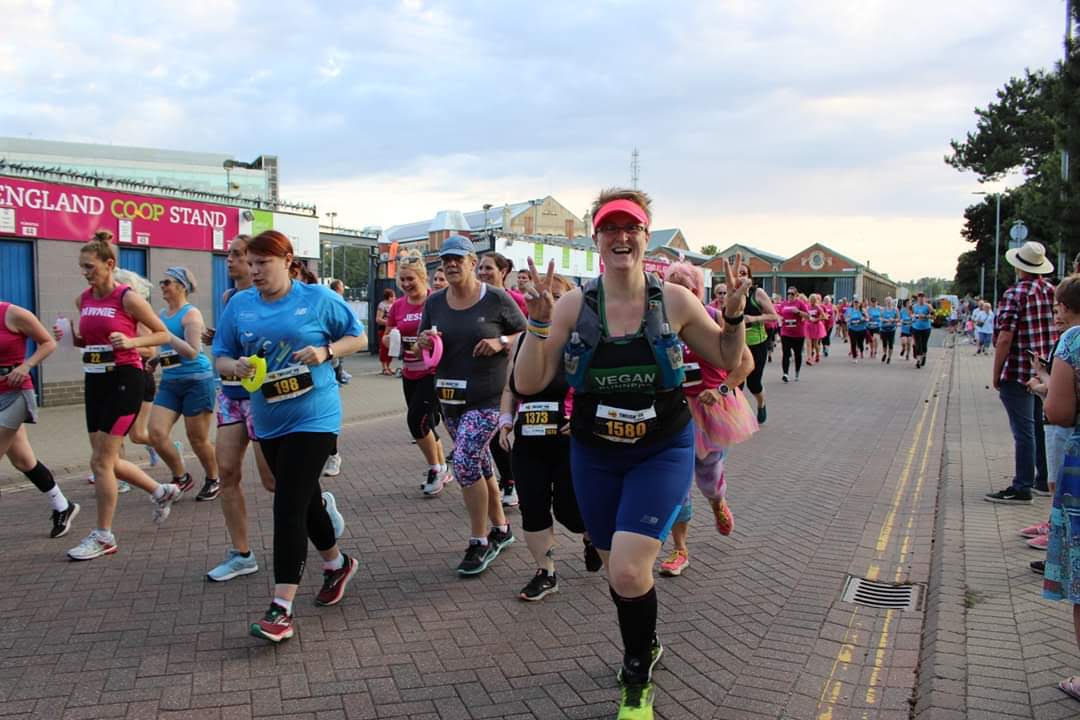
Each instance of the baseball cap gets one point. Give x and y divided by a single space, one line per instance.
456 245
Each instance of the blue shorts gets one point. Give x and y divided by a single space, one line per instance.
187 396
630 489
986 338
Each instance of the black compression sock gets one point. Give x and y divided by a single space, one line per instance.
41 477
637 623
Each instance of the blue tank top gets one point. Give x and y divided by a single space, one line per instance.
173 365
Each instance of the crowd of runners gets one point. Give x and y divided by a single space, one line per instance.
599 407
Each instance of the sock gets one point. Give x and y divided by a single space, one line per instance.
335 564
244 555
501 528
437 468
56 497
443 468
105 535
637 624
41 477
478 540
287 604
159 492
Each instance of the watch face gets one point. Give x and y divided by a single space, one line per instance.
724 390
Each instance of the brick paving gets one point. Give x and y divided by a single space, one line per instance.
999 649
844 479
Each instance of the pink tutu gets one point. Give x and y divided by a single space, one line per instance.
722 424
815 330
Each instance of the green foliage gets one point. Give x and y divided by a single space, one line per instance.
1023 130
709 250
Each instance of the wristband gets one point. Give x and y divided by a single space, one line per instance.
506 420
538 323
733 320
538 335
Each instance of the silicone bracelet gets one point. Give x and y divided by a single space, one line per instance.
434 355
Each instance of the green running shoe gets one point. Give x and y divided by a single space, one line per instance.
636 702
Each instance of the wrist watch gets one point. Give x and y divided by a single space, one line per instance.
724 390
504 340
329 352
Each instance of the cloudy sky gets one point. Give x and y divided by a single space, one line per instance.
776 123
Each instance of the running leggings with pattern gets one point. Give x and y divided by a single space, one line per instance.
858 341
423 415
472 432
922 338
297 461
542 472
792 346
761 355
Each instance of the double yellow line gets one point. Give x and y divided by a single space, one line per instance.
833 688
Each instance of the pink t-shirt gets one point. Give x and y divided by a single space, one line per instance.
405 316
700 375
830 314
100 317
792 323
12 352
520 300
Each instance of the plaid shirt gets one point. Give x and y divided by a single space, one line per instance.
1027 311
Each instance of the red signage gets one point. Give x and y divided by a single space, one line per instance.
658 265
33 209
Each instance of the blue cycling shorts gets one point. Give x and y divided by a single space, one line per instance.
622 488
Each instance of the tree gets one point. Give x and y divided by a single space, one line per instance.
1031 120
709 250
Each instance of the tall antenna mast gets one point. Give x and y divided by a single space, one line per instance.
635 168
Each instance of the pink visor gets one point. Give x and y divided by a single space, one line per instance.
629 207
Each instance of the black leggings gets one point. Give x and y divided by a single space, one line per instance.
922 338
858 341
502 462
792 346
542 472
423 414
296 461
888 339
826 341
761 355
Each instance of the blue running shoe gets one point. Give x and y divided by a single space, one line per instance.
235 565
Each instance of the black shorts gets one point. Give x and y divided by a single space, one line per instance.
113 399
149 386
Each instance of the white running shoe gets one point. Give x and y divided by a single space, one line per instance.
333 465
433 485
336 518
510 497
164 506
93 546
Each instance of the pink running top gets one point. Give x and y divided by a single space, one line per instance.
405 316
100 317
12 352
791 322
700 375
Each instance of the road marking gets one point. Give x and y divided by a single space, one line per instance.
832 688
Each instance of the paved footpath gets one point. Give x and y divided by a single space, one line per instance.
845 479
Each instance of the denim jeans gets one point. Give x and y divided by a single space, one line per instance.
1029 444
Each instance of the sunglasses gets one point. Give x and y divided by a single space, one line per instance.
165 283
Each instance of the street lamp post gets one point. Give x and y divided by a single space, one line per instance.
331 215
997 239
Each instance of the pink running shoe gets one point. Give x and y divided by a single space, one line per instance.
675 563
1036 530
725 521
1039 543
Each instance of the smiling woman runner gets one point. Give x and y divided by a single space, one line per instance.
632 440
417 379
297 329
477 324
108 333
18 406
186 387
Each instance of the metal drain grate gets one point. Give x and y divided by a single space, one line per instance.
900 596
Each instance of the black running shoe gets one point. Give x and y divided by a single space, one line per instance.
1038 566
1009 496
61 520
185 483
593 561
477 558
761 415
497 540
210 490
541 585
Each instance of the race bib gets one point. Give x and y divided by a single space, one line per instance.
287 384
451 392
539 419
230 381
621 425
98 358
789 322
168 359
693 374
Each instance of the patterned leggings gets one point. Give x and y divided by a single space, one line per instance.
472 432
709 478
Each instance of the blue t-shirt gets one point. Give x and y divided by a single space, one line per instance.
889 316
173 365
307 315
230 386
922 317
874 316
855 319
905 321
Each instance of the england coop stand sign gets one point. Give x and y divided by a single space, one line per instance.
35 209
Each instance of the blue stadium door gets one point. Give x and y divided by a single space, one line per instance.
222 282
133 259
17 283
